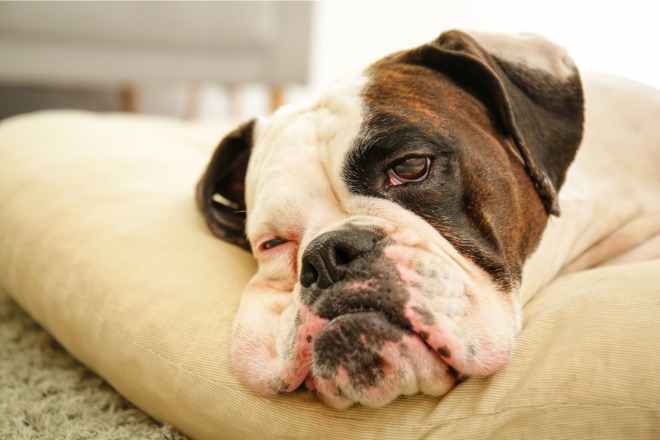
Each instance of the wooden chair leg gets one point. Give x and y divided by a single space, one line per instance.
193 102
128 98
234 107
277 97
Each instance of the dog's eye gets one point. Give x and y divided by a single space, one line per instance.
273 242
414 169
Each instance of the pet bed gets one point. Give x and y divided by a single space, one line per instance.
101 242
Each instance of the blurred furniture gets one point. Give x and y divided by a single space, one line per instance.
126 44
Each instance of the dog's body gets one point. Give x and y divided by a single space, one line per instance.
400 222
611 199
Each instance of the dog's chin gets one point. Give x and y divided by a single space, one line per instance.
364 358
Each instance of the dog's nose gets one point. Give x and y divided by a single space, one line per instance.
326 258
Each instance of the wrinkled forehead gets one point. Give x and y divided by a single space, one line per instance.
298 152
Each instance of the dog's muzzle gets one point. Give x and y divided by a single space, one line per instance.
345 272
347 280
380 314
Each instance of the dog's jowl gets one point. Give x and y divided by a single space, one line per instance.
395 220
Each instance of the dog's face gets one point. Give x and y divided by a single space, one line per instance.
391 220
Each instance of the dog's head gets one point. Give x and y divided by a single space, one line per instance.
391 220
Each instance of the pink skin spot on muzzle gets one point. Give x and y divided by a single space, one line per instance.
360 286
425 324
449 342
418 311
310 326
399 255
471 348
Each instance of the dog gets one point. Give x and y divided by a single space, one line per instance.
401 222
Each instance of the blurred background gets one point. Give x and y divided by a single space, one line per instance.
215 60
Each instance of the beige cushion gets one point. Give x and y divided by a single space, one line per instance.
101 243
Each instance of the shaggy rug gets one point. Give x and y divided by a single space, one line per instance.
46 394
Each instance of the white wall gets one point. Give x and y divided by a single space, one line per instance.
619 37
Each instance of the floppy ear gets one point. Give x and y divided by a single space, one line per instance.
221 190
534 90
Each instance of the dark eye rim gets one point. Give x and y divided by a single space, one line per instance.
402 180
273 242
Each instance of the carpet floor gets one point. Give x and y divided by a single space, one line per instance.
46 394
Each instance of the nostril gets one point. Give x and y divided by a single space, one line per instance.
342 256
308 275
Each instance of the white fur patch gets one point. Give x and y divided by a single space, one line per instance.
289 194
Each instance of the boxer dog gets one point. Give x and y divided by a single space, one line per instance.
401 222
